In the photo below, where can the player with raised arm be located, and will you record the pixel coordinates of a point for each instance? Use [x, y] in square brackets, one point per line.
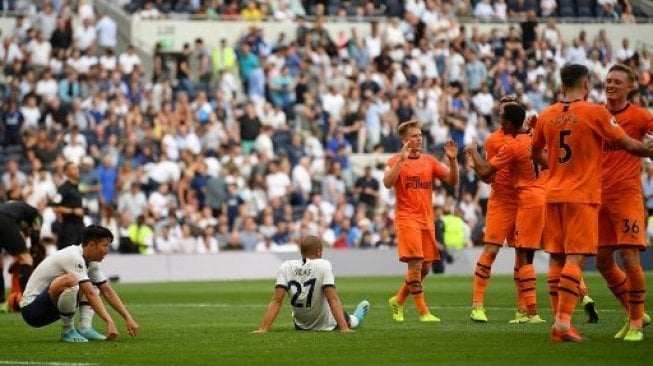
[499, 226]
[310, 283]
[573, 132]
[529, 221]
[412, 173]
[621, 217]
[53, 289]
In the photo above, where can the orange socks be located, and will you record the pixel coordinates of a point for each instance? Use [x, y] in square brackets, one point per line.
[414, 281]
[527, 282]
[568, 288]
[553, 279]
[618, 283]
[636, 295]
[403, 293]
[481, 277]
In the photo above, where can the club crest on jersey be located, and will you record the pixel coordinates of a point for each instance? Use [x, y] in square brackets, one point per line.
[613, 122]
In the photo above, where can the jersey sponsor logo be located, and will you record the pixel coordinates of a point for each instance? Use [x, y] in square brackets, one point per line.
[414, 182]
[612, 146]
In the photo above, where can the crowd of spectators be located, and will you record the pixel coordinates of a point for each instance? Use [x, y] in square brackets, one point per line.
[248, 145]
[362, 10]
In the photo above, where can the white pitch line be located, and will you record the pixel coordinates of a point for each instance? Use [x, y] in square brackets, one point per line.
[224, 305]
[38, 363]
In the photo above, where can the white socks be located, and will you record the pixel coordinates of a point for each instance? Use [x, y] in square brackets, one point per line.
[67, 303]
[353, 321]
[86, 312]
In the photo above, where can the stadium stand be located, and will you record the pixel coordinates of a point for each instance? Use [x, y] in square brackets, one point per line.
[192, 145]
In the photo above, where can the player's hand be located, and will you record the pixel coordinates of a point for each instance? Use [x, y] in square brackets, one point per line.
[649, 146]
[259, 331]
[112, 332]
[78, 211]
[405, 151]
[472, 146]
[132, 328]
[469, 159]
[348, 330]
[451, 149]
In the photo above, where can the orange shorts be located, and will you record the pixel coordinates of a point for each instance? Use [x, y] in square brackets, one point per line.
[529, 226]
[414, 242]
[500, 222]
[571, 228]
[622, 222]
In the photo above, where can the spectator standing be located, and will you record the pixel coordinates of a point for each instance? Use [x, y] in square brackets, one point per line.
[69, 208]
[107, 32]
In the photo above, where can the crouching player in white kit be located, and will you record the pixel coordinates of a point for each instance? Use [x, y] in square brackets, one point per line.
[311, 286]
[52, 290]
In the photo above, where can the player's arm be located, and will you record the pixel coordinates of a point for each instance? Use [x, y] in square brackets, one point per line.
[539, 156]
[86, 288]
[273, 309]
[451, 152]
[390, 176]
[116, 303]
[482, 167]
[64, 210]
[609, 129]
[636, 147]
[336, 308]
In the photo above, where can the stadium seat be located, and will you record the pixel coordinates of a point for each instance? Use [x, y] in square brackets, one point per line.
[13, 149]
[281, 141]
[532, 4]
[566, 8]
[585, 8]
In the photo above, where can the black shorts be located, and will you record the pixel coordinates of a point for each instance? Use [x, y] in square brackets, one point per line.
[41, 312]
[11, 239]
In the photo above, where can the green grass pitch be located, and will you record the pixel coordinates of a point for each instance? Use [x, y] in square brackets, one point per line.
[209, 323]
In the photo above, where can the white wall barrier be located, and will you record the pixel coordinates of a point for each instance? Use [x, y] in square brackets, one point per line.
[240, 265]
[146, 33]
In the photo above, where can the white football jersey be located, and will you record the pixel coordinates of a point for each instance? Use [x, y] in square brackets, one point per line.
[305, 280]
[67, 260]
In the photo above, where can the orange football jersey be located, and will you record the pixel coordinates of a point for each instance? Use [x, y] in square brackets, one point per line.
[414, 188]
[502, 187]
[516, 157]
[573, 133]
[621, 169]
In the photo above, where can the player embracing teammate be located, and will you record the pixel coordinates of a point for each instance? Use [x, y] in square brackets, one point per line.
[621, 217]
[573, 132]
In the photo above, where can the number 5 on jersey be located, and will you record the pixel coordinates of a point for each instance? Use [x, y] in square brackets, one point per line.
[565, 147]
